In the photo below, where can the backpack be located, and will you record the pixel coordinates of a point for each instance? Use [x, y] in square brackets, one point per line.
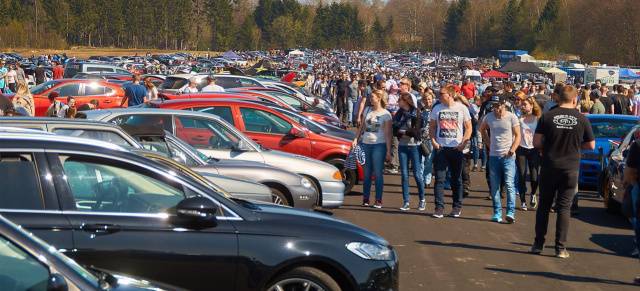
[54, 109]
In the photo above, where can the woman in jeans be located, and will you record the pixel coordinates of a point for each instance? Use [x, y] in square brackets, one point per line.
[427, 161]
[376, 143]
[526, 153]
[406, 127]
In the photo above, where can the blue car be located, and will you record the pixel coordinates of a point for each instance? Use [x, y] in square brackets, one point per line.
[605, 127]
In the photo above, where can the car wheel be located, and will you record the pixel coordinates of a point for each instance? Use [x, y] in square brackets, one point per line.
[610, 205]
[348, 175]
[277, 197]
[304, 278]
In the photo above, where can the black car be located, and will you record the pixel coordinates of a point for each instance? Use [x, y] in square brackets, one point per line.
[610, 183]
[28, 263]
[116, 210]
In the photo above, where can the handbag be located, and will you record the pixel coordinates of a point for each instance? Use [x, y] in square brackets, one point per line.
[424, 149]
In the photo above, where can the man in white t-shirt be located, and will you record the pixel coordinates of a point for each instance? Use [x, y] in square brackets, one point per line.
[450, 131]
[212, 87]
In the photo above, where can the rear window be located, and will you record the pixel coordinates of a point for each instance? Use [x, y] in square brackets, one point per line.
[173, 83]
[69, 72]
[21, 183]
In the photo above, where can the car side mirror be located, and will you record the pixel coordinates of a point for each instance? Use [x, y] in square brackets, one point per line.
[241, 146]
[294, 132]
[179, 159]
[625, 153]
[199, 209]
[57, 283]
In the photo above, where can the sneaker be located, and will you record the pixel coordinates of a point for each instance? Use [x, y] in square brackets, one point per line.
[365, 202]
[378, 204]
[497, 217]
[636, 280]
[575, 209]
[553, 209]
[635, 253]
[422, 205]
[438, 213]
[475, 168]
[455, 212]
[537, 248]
[534, 201]
[465, 194]
[511, 218]
[488, 198]
[523, 207]
[447, 187]
[391, 171]
[562, 253]
[483, 169]
[405, 207]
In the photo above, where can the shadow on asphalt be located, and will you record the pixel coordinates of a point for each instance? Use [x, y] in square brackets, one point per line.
[620, 251]
[597, 216]
[562, 277]
[468, 246]
[620, 244]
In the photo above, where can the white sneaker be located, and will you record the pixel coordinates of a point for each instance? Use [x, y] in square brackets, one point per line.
[405, 207]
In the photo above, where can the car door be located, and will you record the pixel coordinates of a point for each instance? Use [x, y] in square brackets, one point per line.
[28, 197]
[106, 95]
[273, 131]
[123, 217]
[213, 138]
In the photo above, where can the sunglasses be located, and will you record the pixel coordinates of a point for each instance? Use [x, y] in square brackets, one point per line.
[496, 105]
[401, 83]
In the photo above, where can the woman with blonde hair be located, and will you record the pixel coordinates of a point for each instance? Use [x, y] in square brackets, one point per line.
[526, 153]
[24, 98]
[407, 128]
[152, 91]
[376, 144]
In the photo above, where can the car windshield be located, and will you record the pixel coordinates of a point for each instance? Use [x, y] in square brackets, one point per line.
[173, 83]
[39, 89]
[610, 128]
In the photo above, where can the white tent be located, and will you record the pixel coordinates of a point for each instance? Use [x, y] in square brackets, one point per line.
[558, 75]
[296, 53]
[526, 58]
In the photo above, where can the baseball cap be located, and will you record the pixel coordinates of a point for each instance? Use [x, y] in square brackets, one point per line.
[498, 99]
[377, 77]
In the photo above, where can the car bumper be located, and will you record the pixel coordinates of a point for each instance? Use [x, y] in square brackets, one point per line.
[589, 171]
[332, 193]
[381, 275]
[303, 198]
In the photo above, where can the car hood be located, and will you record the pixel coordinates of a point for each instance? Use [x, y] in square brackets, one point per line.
[233, 185]
[297, 221]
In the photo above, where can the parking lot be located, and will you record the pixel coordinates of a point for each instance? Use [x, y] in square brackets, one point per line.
[471, 253]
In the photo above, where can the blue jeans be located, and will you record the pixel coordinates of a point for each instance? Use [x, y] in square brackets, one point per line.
[405, 154]
[499, 167]
[350, 106]
[451, 158]
[375, 155]
[427, 166]
[477, 153]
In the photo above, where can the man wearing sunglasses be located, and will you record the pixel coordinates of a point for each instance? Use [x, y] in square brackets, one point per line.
[504, 140]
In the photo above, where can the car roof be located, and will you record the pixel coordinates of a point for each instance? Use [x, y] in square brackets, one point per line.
[54, 120]
[36, 140]
[102, 113]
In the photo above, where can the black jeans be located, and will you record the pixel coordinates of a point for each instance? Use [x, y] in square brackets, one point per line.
[451, 158]
[466, 170]
[532, 157]
[561, 183]
[341, 108]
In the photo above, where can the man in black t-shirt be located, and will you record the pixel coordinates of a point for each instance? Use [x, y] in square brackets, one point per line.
[341, 97]
[40, 74]
[562, 133]
[621, 103]
[606, 100]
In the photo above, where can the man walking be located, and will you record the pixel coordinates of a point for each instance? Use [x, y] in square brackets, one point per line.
[505, 139]
[450, 131]
[561, 133]
[135, 94]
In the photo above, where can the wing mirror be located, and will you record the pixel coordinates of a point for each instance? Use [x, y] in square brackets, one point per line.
[197, 209]
[295, 132]
[241, 146]
[57, 283]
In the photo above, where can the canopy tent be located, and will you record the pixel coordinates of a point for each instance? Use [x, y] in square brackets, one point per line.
[526, 58]
[521, 67]
[556, 71]
[296, 53]
[231, 55]
[558, 74]
[494, 74]
[629, 74]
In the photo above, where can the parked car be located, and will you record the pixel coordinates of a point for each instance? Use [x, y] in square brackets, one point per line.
[273, 130]
[612, 190]
[85, 67]
[83, 90]
[119, 211]
[606, 127]
[215, 137]
[28, 263]
[177, 83]
[285, 188]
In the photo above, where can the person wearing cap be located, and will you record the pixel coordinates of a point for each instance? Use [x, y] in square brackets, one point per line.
[450, 131]
[212, 87]
[504, 141]
[597, 107]
[193, 86]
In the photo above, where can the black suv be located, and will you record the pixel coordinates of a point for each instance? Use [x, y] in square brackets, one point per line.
[112, 209]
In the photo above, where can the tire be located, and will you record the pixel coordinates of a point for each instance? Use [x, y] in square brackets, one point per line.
[610, 206]
[349, 177]
[302, 277]
[277, 197]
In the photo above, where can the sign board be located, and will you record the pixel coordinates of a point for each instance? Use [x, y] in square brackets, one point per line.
[608, 76]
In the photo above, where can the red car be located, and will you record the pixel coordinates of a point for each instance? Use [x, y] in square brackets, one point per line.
[272, 130]
[83, 90]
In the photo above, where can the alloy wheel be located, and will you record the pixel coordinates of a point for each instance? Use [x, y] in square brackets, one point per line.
[294, 284]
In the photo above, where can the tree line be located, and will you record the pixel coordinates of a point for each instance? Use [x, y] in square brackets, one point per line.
[595, 30]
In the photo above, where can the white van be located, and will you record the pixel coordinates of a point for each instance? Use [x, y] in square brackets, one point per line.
[474, 75]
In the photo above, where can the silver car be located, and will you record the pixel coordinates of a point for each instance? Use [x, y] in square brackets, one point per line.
[215, 137]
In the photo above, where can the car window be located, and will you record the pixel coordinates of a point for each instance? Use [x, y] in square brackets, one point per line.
[20, 182]
[100, 69]
[608, 128]
[202, 133]
[295, 103]
[39, 89]
[178, 152]
[626, 143]
[102, 135]
[163, 121]
[72, 89]
[107, 186]
[173, 83]
[223, 111]
[228, 82]
[20, 271]
[257, 120]
[249, 83]
[92, 89]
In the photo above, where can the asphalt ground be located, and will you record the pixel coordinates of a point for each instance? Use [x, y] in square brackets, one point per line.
[472, 253]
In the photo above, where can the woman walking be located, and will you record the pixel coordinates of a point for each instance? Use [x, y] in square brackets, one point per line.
[152, 91]
[526, 153]
[376, 143]
[24, 99]
[406, 127]
[427, 161]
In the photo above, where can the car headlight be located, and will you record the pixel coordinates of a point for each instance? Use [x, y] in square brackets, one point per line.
[305, 182]
[369, 251]
[589, 156]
